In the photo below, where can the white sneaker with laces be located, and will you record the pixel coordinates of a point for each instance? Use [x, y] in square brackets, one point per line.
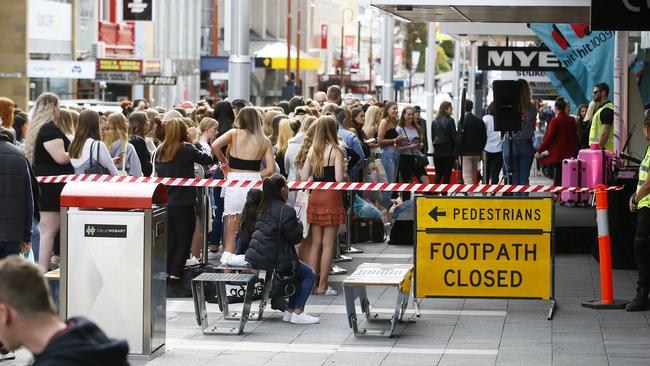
[286, 317]
[304, 318]
[225, 258]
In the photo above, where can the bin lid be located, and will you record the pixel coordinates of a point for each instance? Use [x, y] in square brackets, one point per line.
[113, 195]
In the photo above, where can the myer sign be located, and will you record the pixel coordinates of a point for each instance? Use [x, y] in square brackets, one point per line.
[517, 58]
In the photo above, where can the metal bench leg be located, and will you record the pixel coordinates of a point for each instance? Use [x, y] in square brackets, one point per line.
[350, 296]
[248, 301]
[266, 292]
[222, 297]
[200, 311]
[398, 309]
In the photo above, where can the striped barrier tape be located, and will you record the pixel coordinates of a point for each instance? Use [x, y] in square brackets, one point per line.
[341, 186]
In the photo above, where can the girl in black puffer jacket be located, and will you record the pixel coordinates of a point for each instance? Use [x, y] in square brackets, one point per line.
[271, 247]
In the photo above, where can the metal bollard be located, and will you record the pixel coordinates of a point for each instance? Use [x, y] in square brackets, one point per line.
[607, 300]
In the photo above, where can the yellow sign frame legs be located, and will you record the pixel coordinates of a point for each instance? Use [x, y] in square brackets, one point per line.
[484, 247]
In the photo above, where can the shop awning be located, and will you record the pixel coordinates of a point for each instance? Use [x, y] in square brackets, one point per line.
[274, 56]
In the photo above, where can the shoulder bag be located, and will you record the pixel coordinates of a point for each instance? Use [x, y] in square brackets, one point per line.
[97, 167]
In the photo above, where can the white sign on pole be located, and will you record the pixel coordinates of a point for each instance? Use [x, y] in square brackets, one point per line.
[50, 21]
[60, 69]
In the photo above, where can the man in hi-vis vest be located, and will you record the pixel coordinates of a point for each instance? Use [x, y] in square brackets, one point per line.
[602, 123]
[640, 202]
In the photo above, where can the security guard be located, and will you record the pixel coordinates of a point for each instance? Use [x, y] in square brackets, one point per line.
[601, 124]
[640, 202]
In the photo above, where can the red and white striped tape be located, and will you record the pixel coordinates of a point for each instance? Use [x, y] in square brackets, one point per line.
[341, 186]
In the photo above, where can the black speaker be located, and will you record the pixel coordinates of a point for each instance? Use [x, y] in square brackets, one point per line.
[507, 110]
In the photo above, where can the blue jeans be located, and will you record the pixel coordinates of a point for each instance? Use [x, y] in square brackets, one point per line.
[36, 239]
[306, 278]
[8, 248]
[522, 158]
[390, 160]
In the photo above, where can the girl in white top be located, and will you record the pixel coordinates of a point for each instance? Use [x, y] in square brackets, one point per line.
[87, 137]
[493, 154]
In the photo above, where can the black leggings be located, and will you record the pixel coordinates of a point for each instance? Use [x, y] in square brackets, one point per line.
[443, 165]
[493, 166]
[408, 167]
[180, 229]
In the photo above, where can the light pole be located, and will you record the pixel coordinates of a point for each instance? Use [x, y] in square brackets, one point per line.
[413, 65]
[370, 59]
[342, 41]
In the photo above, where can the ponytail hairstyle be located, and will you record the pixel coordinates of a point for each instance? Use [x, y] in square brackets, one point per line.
[271, 190]
[249, 213]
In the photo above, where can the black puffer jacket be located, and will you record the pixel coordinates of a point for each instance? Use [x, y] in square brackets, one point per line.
[272, 243]
[16, 199]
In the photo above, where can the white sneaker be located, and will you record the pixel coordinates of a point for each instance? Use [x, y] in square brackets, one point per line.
[304, 318]
[286, 317]
[237, 260]
[225, 258]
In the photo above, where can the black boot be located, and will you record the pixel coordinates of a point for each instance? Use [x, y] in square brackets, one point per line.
[640, 301]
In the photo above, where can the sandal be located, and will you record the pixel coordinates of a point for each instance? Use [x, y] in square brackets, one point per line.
[329, 292]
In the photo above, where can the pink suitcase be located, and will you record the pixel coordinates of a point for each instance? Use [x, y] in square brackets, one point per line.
[572, 172]
[598, 165]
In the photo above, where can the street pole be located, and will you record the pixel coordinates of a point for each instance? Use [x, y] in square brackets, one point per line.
[239, 62]
[370, 62]
[430, 77]
[342, 58]
[298, 31]
[289, 41]
[455, 68]
[387, 45]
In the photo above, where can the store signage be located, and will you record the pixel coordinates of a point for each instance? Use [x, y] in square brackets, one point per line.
[104, 231]
[157, 80]
[60, 69]
[137, 10]
[50, 21]
[517, 58]
[151, 67]
[631, 15]
[483, 247]
[530, 76]
[105, 64]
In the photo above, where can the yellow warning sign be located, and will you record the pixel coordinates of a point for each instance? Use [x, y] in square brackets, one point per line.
[484, 213]
[480, 265]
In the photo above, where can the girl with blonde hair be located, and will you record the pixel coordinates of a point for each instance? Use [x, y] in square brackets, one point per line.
[46, 147]
[324, 163]
[247, 147]
[284, 134]
[117, 141]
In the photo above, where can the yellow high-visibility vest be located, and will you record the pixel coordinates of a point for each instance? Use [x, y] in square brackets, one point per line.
[643, 176]
[597, 128]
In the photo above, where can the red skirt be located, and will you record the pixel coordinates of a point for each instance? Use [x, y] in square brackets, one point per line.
[325, 208]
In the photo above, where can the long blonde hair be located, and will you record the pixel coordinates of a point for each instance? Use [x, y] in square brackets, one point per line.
[65, 122]
[269, 116]
[324, 136]
[371, 121]
[306, 144]
[249, 119]
[117, 130]
[43, 113]
[284, 134]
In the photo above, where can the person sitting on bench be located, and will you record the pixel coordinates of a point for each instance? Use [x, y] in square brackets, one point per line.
[271, 247]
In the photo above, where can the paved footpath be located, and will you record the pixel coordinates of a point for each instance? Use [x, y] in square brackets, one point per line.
[449, 332]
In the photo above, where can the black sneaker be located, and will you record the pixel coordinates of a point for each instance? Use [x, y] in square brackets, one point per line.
[639, 303]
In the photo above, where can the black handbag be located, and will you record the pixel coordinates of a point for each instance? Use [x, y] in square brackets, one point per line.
[284, 282]
[97, 168]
